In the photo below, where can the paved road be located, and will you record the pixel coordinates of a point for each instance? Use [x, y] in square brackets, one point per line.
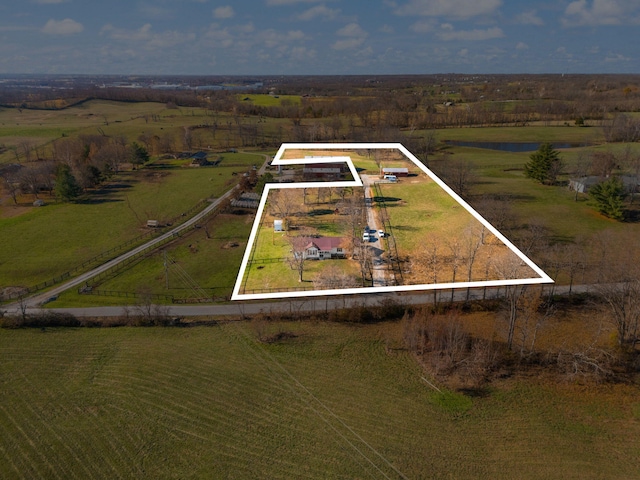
[312, 304]
[38, 299]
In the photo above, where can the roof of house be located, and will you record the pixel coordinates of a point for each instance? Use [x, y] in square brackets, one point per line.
[322, 243]
[199, 155]
[395, 170]
[627, 180]
[313, 166]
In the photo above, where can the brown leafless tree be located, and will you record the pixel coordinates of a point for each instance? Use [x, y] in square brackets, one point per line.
[296, 257]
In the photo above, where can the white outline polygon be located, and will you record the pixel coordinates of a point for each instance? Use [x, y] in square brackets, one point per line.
[357, 182]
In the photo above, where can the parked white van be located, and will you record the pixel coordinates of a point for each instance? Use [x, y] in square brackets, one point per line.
[391, 178]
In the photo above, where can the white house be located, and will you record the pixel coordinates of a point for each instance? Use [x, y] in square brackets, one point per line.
[583, 184]
[321, 248]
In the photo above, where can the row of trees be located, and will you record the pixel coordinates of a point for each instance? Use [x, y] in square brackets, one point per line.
[440, 338]
[74, 165]
[608, 195]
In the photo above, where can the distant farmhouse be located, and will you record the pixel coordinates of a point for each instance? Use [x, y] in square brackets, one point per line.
[321, 248]
[201, 159]
[583, 184]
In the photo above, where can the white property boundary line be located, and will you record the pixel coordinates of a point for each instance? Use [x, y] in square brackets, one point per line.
[357, 182]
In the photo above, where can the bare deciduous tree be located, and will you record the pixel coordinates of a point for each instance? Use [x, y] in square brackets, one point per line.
[296, 257]
[283, 202]
[455, 259]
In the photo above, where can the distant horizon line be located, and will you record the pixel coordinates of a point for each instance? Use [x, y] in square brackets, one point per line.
[281, 75]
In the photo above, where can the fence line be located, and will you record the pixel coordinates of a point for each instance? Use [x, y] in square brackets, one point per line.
[266, 260]
[391, 241]
[68, 274]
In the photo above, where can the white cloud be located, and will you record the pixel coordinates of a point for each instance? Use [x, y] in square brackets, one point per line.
[302, 53]
[62, 27]
[146, 37]
[247, 28]
[222, 37]
[347, 43]
[351, 30]
[386, 29]
[354, 37]
[602, 12]
[142, 33]
[318, 11]
[530, 18]
[224, 12]
[448, 8]
[50, 2]
[170, 38]
[522, 46]
[470, 35]
[616, 57]
[423, 26]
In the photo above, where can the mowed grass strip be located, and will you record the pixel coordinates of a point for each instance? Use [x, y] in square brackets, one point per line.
[211, 402]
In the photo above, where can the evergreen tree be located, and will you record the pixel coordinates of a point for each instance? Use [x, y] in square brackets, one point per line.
[264, 179]
[67, 187]
[608, 197]
[139, 154]
[544, 165]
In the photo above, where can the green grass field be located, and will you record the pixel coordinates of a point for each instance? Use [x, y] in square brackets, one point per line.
[47, 241]
[420, 209]
[211, 263]
[270, 100]
[212, 402]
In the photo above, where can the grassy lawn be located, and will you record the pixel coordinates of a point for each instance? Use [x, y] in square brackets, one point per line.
[280, 275]
[331, 402]
[45, 242]
[422, 208]
[308, 218]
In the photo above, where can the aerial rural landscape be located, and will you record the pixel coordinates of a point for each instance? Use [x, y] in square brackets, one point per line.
[233, 251]
[465, 360]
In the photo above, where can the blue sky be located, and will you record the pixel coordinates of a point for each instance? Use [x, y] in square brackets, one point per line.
[254, 37]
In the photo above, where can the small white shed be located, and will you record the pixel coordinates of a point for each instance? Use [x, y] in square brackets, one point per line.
[278, 226]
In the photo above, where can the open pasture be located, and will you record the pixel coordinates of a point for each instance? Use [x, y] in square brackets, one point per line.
[263, 100]
[328, 401]
[45, 242]
[208, 257]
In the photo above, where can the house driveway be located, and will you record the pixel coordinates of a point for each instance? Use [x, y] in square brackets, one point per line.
[380, 272]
